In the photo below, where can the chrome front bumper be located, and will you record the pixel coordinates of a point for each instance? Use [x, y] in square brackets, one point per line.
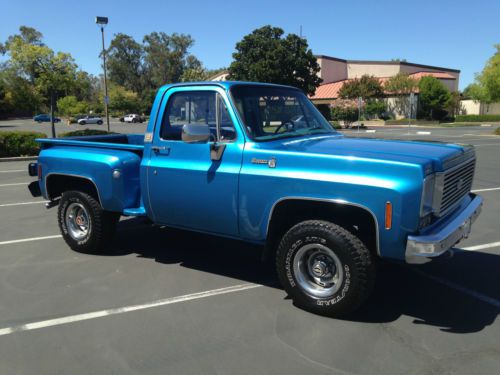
[421, 248]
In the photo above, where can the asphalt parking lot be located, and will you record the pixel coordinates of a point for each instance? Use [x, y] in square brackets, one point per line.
[163, 301]
[63, 127]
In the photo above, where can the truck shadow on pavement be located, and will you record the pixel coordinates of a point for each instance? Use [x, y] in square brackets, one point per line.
[417, 292]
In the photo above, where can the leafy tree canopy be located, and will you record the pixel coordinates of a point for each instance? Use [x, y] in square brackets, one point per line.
[364, 87]
[433, 96]
[125, 62]
[266, 55]
[486, 87]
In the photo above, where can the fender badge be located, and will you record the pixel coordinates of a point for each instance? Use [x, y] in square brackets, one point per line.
[271, 163]
[148, 137]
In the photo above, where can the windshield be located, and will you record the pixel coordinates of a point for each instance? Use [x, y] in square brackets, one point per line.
[273, 112]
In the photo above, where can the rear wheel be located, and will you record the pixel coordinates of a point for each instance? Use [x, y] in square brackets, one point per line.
[324, 268]
[84, 225]
[82, 122]
[99, 122]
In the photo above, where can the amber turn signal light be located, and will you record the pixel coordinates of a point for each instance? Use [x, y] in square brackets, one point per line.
[388, 215]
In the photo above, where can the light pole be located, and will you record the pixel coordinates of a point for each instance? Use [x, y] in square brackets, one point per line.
[103, 21]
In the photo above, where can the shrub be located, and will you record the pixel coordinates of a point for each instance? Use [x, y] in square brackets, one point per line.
[497, 131]
[19, 143]
[375, 108]
[346, 113]
[80, 133]
[476, 118]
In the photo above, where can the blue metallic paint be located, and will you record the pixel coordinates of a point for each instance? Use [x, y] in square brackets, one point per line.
[182, 187]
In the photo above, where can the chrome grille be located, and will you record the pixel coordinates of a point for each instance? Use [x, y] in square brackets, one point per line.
[452, 185]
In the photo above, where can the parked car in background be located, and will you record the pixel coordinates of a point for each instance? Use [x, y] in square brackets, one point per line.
[44, 118]
[90, 120]
[132, 118]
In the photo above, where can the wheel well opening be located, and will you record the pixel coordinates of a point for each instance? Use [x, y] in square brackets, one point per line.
[356, 220]
[58, 184]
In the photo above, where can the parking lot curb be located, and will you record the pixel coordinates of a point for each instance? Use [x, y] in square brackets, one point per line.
[19, 158]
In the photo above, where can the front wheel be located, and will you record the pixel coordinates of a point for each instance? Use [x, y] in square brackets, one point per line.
[84, 225]
[82, 122]
[99, 122]
[324, 268]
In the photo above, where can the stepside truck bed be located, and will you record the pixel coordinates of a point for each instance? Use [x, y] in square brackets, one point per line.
[131, 142]
[106, 166]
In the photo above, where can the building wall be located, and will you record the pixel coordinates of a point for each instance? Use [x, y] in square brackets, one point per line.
[332, 70]
[491, 109]
[356, 70]
[472, 107]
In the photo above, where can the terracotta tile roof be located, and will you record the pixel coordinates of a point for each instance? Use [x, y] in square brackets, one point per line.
[331, 90]
[440, 75]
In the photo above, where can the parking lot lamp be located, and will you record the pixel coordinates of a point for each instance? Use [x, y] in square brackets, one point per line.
[103, 21]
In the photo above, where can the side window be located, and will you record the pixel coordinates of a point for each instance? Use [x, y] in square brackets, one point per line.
[196, 107]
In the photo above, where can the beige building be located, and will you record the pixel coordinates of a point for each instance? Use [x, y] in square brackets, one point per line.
[472, 107]
[336, 72]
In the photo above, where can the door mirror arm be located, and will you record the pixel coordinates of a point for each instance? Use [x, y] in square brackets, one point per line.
[216, 151]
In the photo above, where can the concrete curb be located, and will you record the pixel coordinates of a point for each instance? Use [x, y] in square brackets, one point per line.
[19, 158]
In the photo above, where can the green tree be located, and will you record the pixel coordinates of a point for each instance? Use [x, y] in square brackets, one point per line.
[401, 86]
[125, 62]
[454, 104]
[48, 73]
[69, 105]
[266, 55]
[123, 100]
[434, 97]
[486, 87]
[166, 57]
[365, 87]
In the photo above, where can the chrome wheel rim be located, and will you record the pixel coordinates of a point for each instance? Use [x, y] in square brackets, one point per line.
[77, 221]
[318, 270]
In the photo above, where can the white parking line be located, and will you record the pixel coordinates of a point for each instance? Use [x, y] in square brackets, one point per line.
[481, 247]
[14, 170]
[16, 184]
[30, 239]
[125, 309]
[481, 190]
[472, 293]
[21, 203]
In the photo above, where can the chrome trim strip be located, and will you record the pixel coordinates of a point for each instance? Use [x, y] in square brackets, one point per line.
[71, 175]
[337, 201]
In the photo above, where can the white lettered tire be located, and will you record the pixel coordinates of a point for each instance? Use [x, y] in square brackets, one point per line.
[324, 268]
[84, 225]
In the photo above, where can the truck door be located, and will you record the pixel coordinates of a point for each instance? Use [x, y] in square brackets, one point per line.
[186, 188]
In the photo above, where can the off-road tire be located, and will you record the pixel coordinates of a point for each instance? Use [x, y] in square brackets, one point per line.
[357, 266]
[102, 224]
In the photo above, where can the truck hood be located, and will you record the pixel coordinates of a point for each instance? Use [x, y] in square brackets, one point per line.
[427, 154]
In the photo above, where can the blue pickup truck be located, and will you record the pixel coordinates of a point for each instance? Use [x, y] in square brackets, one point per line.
[259, 163]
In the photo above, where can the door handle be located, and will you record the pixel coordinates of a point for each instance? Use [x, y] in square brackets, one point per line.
[162, 149]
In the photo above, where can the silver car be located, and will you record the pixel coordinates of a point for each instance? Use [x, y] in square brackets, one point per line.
[90, 120]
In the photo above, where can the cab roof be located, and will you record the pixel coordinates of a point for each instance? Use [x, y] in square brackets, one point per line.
[224, 84]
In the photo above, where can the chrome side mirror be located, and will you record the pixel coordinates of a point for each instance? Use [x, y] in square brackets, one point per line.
[195, 133]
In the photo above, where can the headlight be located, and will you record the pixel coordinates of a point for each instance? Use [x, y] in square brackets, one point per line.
[427, 195]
